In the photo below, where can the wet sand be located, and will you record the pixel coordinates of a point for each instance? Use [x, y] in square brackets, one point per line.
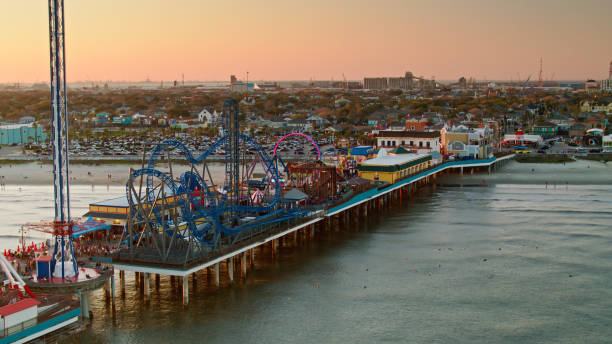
[35, 173]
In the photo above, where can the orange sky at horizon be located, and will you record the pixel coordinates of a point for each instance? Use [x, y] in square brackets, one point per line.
[290, 40]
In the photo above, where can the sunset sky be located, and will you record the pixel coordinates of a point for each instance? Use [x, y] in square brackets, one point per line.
[319, 39]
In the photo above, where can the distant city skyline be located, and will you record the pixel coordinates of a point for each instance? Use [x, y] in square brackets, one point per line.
[319, 40]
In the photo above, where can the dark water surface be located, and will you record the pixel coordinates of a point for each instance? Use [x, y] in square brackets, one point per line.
[508, 261]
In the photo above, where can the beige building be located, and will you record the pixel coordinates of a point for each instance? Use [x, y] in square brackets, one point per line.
[475, 143]
[595, 106]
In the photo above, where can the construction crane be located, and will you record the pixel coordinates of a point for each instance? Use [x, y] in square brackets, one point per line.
[526, 82]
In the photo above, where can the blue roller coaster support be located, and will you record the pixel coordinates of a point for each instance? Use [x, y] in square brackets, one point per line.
[231, 125]
[215, 204]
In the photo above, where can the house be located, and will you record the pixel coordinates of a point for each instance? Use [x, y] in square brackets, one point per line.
[577, 129]
[343, 143]
[27, 119]
[341, 102]
[361, 153]
[315, 121]
[377, 119]
[205, 116]
[122, 119]
[606, 142]
[138, 118]
[419, 141]
[248, 101]
[596, 120]
[468, 142]
[102, 117]
[545, 129]
[418, 125]
[299, 125]
[331, 130]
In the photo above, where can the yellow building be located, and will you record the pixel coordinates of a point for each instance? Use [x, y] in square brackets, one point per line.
[112, 212]
[390, 168]
[115, 211]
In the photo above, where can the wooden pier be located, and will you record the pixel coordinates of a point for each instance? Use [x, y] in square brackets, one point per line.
[320, 220]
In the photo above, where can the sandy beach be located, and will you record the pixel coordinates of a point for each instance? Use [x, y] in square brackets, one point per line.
[37, 173]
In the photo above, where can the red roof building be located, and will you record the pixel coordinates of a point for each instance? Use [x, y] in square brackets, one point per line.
[18, 306]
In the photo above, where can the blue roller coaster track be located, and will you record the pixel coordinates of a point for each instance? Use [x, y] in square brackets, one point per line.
[203, 212]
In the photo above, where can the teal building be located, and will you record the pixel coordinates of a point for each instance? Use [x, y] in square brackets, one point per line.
[20, 134]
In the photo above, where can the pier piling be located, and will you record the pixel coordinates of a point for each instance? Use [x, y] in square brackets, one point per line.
[217, 274]
[230, 269]
[112, 285]
[243, 264]
[185, 290]
[147, 290]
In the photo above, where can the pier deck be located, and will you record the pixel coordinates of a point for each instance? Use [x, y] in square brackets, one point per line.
[320, 215]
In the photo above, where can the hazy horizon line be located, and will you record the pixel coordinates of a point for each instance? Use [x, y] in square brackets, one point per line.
[276, 80]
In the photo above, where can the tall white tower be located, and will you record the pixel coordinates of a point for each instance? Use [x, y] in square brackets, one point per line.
[610, 74]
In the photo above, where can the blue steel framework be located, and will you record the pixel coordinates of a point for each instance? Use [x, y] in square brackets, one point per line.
[62, 226]
[178, 221]
[231, 127]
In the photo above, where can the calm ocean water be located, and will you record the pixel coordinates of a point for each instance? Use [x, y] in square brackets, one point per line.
[479, 259]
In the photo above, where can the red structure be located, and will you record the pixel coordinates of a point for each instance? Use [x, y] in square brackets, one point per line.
[315, 179]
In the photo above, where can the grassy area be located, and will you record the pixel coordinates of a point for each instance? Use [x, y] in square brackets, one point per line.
[543, 158]
[607, 157]
[16, 162]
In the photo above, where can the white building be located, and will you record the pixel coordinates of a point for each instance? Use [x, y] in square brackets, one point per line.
[607, 143]
[419, 141]
[206, 117]
[606, 85]
[21, 312]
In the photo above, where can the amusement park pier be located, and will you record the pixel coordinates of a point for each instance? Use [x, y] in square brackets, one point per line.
[231, 227]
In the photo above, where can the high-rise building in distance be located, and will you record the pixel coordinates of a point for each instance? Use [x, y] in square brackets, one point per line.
[606, 85]
[375, 83]
[395, 83]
